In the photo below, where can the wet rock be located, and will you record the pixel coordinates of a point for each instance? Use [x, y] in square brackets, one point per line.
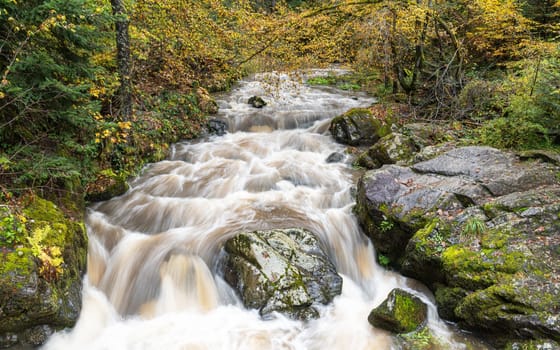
[425, 339]
[35, 299]
[421, 339]
[256, 101]
[394, 202]
[281, 270]
[358, 127]
[217, 127]
[335, 157]
[479, 227]
[400, 312]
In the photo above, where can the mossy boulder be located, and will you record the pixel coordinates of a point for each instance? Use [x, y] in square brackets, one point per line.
[406, 146]
[41, 278]
[424, 338]
[425, 134]
[433, 151]
[358, 127]
[282, 271]
[400, 312]
[481, 228]
[394, 202]
[420, 339]
[394, 148]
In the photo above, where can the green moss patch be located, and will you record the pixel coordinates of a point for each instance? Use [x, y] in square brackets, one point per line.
[14, 263]
[401, 312]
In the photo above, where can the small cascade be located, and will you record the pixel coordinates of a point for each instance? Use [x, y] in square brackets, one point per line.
[186, 285]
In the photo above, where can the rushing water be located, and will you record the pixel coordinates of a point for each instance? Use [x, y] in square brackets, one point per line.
[151, 281]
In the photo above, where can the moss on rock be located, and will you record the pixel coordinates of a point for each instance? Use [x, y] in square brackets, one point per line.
[498, 277]
[423, 257]
[36, 300]
[447, 299]
[400, 312]
[358, 127]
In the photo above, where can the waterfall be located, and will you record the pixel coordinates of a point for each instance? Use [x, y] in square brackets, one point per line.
[151, 281]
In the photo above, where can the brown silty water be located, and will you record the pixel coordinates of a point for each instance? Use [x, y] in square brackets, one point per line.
[152, 282]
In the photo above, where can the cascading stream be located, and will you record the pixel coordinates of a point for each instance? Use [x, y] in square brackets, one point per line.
[152, 282]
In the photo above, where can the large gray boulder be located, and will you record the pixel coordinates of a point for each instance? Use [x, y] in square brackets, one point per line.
[282, 270]
[479, 227]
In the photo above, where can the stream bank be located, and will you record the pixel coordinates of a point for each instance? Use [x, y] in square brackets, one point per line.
[479, 226]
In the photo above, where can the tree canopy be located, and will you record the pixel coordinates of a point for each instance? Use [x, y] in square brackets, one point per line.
[62, 78]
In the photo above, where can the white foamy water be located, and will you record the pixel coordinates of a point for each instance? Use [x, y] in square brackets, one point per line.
[152, 279]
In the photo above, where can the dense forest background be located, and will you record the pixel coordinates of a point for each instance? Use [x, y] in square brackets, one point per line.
[90, 90]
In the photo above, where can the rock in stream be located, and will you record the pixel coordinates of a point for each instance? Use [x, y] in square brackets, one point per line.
[401, 312]
[281, 270]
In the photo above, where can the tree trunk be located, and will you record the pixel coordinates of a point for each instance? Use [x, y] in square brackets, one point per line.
[123, 59]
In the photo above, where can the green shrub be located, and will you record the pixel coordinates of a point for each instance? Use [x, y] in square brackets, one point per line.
[383, 260]
[481, 100]
[514, 133]
[12, 227]
[531, 117]
[327, 80]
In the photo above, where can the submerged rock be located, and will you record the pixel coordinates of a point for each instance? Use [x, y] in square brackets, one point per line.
[358, 127]
[38, 293]
[400, 312]
[281, 270]
[482, 229]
